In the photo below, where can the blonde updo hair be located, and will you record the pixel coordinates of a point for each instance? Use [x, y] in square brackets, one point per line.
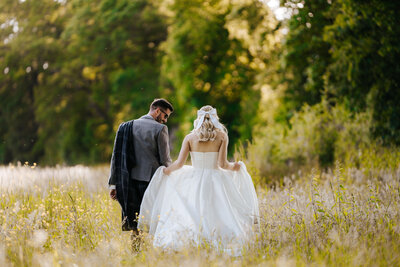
[207, 131]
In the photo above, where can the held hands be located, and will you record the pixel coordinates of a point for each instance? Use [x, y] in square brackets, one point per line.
[166, 171]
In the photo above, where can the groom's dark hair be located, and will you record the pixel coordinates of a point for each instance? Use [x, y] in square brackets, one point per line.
[161, 103]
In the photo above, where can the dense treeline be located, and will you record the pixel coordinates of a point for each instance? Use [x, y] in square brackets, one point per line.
[347, 52]
[71, 71]
[336, 90]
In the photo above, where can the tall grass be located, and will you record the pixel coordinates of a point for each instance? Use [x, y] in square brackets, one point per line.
[64, 217]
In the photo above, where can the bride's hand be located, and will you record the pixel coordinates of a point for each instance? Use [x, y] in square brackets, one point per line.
[236, 166]
[166, 171]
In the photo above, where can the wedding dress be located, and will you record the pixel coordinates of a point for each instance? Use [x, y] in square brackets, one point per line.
[200, 204]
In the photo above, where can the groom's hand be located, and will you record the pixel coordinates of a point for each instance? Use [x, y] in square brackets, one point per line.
[113, 194]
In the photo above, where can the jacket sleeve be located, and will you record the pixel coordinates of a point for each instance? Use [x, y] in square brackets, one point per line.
[163, 147]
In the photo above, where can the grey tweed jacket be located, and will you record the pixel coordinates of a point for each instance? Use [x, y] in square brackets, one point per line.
[151, 148]
[151, 144]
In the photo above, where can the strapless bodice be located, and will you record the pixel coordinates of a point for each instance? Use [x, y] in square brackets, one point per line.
[204, 160]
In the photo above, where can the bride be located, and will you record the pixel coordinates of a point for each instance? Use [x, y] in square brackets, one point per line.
[213, 201]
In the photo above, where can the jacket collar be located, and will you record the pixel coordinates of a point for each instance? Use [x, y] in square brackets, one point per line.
[147, 117]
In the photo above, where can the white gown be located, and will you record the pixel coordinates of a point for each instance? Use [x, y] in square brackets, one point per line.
[200, 203]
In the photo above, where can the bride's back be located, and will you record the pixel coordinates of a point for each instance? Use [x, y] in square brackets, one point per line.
[196, 145]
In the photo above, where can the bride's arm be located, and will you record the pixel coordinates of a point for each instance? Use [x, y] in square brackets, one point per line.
[183, 154]
[222, 156]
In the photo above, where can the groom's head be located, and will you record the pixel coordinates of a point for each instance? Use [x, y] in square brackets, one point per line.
[160, 110]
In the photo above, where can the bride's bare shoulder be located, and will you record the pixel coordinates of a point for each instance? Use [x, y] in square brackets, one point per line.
[191, 137]
[222, 135]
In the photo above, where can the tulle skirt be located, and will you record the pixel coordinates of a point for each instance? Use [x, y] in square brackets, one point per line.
[194, 206]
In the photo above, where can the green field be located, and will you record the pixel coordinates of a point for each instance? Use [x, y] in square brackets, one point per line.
[63, 216]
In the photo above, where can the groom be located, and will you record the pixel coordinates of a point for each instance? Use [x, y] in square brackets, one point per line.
[140, 147]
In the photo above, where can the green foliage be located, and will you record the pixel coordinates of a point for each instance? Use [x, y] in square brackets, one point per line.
[316, 136]
[207, 62]
[94, 64]
[72, 71]
[366, 51]
[28, 46]
[347, 51]
[91, 66]
[305, 54]
[335, 94]
[119, 72]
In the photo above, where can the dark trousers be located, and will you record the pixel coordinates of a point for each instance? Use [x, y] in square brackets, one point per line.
[136, 192]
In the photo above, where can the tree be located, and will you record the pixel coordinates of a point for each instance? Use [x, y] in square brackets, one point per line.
[365, 72]
[212, 56]
[108, 74]
[73, 71]
[305, 54]
[28, 35]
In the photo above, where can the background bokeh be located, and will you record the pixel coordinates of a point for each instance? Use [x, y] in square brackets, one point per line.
[297, 83]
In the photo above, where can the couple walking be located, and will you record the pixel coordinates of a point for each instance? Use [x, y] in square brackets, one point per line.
[212, 201]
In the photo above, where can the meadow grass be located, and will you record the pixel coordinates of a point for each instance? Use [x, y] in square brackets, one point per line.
[63, 216]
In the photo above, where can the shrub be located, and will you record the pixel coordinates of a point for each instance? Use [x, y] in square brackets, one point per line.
[316, 136]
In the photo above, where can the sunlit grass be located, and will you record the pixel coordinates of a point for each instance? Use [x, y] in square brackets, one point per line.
[64, 217]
